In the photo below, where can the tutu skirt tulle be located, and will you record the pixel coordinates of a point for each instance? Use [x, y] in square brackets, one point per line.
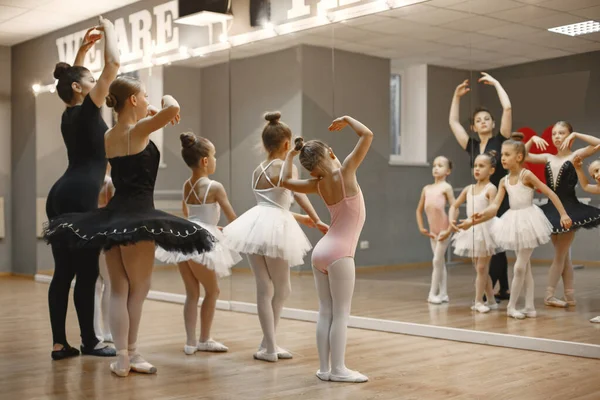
[477, 241]
[220, 259]
[525, 228]
[268, 231]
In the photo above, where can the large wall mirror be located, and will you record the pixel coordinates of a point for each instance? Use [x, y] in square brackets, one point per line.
[395, 65]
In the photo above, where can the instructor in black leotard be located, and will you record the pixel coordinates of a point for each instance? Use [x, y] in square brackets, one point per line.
[77, 190]
[483, 125]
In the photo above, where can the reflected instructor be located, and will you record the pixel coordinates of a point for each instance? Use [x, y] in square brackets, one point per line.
[77, 190]
[483, 124]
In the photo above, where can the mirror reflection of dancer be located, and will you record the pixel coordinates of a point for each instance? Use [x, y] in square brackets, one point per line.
[77, 190]
[562, 179]
[269, 233]
[524, 226]
[483, 124]
[203, 200]
[102, 303]
[594, 171]
[333, 257]
[477, 242]
[129, 228]
[433, 200]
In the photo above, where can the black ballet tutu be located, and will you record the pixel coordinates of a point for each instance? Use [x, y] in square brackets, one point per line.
[130, 216]
[582, 215]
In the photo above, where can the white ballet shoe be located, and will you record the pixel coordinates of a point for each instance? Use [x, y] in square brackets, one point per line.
[480, 307]
[555, 302]
[282, 353]
[595, 320]
[139, 365]
[515, 314]
[434, 299]
[529, 312]
[444, 298]
[264, 356]
[212, 346]
[324, 376]
[190, 350]
[492, 306]
[348, 376]
[114, 368]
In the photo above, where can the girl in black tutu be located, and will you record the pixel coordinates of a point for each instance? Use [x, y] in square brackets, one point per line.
[561, 177]
[129, 228]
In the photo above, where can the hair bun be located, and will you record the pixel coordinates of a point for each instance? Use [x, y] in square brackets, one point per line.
[111, 100]
[188, 139]
[517, 136]
[298, 143]
[273, 117]
[492, 153]
[60, 69]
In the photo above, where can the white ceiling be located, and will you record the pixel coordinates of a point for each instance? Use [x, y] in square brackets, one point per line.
[21, 20]
[466, 34]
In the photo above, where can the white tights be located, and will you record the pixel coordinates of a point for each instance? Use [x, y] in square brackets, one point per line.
[335, 291]
[561, 265]
[102, 301]
[273, 287]
[483, 281]
[439, 276]
[522, 276]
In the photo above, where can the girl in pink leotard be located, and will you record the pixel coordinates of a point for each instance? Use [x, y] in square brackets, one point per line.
[433, 200]
[333, 256]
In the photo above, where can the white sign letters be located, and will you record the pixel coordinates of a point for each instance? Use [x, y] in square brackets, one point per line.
[300, 9]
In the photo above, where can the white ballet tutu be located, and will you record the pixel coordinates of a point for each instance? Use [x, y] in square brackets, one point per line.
[526, 228]
[268, 231]
[220, 259]
[477, 241]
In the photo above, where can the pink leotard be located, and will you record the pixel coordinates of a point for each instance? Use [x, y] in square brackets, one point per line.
[347, 220]
[435, 209]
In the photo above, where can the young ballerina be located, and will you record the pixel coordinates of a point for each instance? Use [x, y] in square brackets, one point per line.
[203, 200]
[477, 242]
[269, 233]
[433, 200]
[483, 125]
[594, 171]
[524, 226]
[102, 303]
[561, 177]
[333, 257]
[129, 228]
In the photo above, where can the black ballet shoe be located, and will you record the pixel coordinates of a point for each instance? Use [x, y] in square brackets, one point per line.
[66, 352]
[103, 352]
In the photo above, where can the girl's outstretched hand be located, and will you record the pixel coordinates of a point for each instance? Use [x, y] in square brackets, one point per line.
[540, 143]
[462, 89]
[425, 232]
[338, 124]
[465, 224]
[323, 227]
[578, 162]
[565, 221]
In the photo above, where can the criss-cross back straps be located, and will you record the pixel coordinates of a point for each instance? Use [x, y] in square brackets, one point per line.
[193, 190]
[264, 172]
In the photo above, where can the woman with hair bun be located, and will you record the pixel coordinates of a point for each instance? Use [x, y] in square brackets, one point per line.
[333, 257]
[78, 189]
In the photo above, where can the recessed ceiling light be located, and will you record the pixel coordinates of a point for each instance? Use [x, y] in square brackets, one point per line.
[578, 29]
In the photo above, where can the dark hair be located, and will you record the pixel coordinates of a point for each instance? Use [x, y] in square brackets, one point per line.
[450, 164]
[566, 125]
[312, 153]
[516, 140]
[492, 155]
[66, 76]
[120, 90]
[275, 132]
[194, 148]
[479, 110]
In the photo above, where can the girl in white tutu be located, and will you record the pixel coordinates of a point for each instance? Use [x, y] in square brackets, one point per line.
[594, 170]
[477, 242]
[203, 200]
[524, 226]
[433, 201]
[269, 233]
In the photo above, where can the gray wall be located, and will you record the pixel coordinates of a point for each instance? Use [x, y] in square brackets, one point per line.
[5, 159]
[543, 92]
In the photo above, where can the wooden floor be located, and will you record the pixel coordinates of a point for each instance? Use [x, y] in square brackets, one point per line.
[399, 295]
[399, 367]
